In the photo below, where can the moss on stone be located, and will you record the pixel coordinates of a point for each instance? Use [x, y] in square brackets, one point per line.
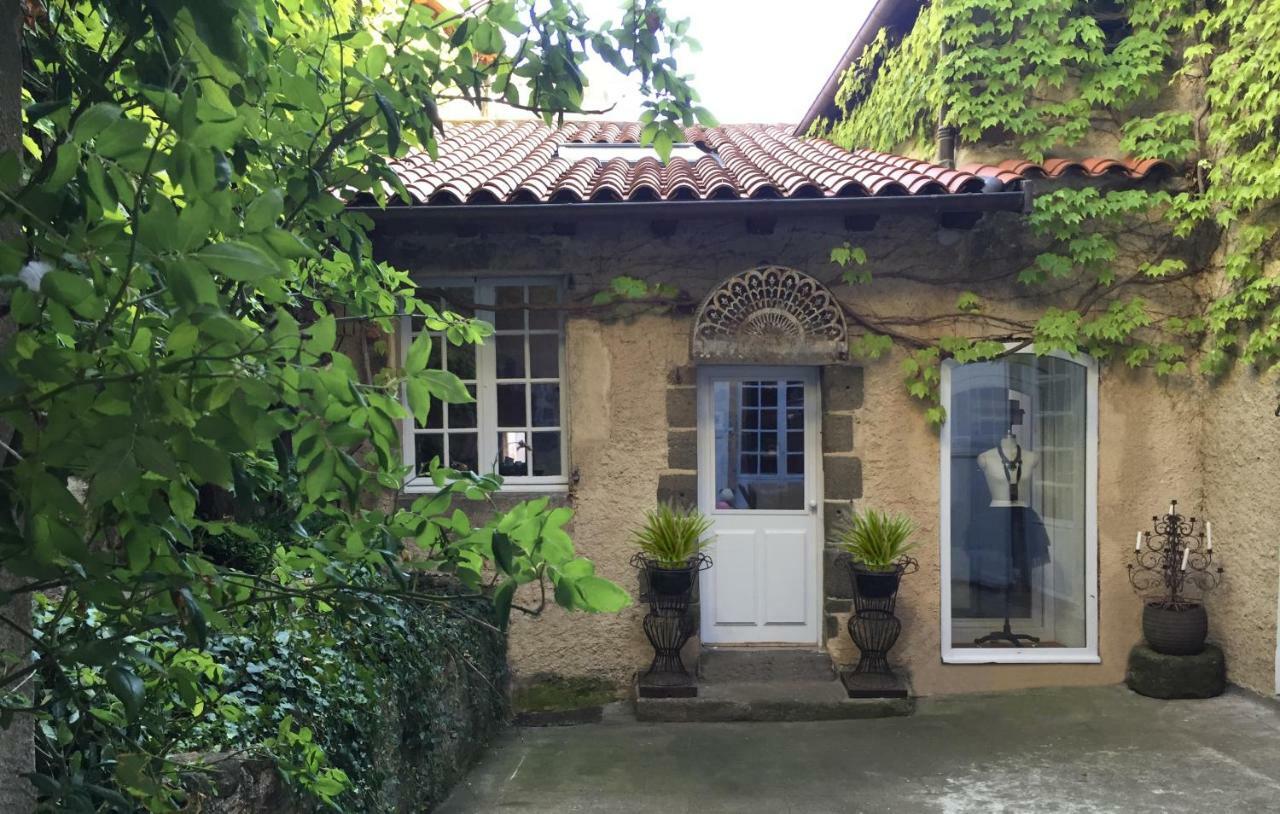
[555, 693]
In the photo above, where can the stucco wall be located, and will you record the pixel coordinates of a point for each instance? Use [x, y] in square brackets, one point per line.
[616, 388]
[618, 379]
[1241, 464]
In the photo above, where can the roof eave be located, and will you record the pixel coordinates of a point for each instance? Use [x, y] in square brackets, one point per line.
[1014, 201]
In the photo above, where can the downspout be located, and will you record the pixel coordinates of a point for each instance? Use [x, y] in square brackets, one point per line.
[946, 138]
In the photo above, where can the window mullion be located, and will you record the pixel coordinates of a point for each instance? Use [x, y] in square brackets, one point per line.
[486, 387]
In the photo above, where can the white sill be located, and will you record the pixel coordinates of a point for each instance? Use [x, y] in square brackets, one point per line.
[426, 487]
[1021, 655]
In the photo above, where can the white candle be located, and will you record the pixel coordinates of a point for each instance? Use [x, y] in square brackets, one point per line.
[1137, 546]
[1171, 505]
[1208, 535]
[1186, 552]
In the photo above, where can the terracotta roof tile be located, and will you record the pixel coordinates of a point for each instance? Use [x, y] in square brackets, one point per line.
[1015, 169]
[519, 162]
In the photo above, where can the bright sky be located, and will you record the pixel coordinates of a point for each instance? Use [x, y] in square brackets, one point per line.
[761, 60]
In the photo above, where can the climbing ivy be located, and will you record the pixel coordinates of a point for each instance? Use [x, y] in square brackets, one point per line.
[1186, 82]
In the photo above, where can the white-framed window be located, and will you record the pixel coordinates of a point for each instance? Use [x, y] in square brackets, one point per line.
[1019, 545]
[516, 426]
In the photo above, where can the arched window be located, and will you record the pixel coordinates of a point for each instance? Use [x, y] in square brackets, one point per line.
[1019, 510]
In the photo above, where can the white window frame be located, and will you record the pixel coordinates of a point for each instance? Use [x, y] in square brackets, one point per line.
[1026, 655]
[486, 390]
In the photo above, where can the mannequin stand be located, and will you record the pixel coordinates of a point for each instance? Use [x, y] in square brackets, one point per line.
[1006, 634]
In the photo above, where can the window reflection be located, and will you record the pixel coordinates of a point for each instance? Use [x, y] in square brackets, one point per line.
[1017, 503]
[759, 444]
[513, 453]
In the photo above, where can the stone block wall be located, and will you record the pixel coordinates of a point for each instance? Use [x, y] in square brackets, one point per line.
[842, 397]
[679, 483]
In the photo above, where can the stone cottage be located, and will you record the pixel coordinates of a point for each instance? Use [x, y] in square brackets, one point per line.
[727, 381]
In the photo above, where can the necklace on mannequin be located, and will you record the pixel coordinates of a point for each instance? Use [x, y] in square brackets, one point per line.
[1012, 468]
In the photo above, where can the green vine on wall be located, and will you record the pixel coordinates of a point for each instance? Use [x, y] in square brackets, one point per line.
[1171, 278]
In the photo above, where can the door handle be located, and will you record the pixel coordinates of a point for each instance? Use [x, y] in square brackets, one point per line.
[813, 505]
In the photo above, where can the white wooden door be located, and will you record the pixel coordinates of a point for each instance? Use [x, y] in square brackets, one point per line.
[759, 466]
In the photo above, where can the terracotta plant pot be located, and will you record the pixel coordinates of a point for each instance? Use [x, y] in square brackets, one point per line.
[1178, 630]
[875, 584]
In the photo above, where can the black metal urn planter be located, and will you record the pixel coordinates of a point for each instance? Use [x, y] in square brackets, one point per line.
[873, 625]
[670, 556]
[877, 543]
[1173, 568]
[668, 624]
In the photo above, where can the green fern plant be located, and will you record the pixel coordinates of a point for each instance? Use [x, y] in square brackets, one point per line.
[670, 536]
[877, 540]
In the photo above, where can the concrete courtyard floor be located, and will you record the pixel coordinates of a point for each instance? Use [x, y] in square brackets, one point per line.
[1063, 750]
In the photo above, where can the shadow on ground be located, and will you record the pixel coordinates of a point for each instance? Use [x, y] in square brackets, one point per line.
[1062, 750]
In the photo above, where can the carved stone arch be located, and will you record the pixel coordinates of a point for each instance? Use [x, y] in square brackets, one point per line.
[770, 315]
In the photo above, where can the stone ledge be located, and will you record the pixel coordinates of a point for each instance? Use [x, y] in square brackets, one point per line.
[666, 686]
[1157, 675]
[753, 664]
[559, 717]
[876, 685]
[770, 702]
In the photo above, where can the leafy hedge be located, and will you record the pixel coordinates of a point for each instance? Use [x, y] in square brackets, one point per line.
[399, 694]
[359, 701]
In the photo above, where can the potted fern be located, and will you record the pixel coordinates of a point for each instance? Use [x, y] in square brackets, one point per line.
[878, 543]
[671, 540]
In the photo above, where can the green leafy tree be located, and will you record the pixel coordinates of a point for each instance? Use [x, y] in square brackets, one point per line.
[198, 323]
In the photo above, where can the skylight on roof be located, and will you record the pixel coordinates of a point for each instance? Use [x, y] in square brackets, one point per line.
[629, 152]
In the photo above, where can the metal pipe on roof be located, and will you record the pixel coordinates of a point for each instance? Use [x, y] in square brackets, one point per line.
[946, 133]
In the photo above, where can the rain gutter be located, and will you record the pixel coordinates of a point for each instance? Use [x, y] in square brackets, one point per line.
[1014, 201]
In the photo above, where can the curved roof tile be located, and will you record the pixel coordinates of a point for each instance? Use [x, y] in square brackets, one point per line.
[496, 162]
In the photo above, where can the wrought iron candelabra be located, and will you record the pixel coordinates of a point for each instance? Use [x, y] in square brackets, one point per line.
[1178, 554]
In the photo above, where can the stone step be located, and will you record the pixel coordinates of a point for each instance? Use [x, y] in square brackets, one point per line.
[719, 664]
[770, 701]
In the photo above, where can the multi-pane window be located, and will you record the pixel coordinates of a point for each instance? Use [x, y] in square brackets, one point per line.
[515, 426]
[759, 443]
[772, 421]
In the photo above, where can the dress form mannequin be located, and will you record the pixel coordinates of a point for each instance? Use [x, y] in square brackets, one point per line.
[1007, 468]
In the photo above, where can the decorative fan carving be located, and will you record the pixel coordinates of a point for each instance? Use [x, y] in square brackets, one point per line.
[770, 314]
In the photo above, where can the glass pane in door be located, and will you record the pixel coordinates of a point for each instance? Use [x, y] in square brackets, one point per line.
[759, 444]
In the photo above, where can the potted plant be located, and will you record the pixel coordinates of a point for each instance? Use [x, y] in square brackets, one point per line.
[671, 540]
[878, 543]
[1167, 564]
